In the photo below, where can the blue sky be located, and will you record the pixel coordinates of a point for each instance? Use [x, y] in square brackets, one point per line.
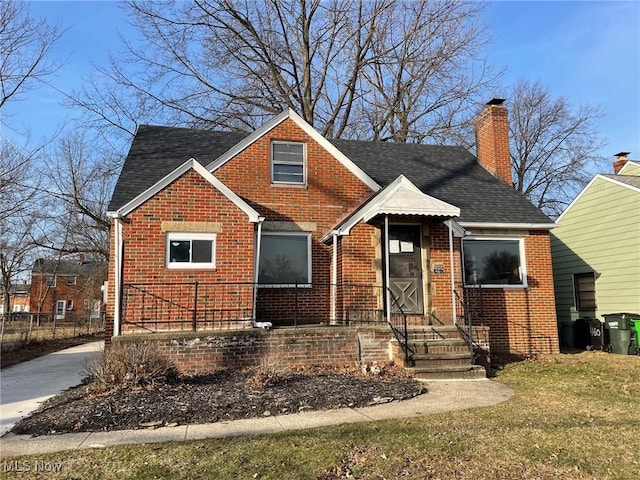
[587, 51]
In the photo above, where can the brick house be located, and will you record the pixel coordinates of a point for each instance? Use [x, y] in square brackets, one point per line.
[67, 288]
[218, 230]
[18, 298]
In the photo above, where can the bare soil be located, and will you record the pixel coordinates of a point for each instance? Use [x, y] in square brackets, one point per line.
[221, 396]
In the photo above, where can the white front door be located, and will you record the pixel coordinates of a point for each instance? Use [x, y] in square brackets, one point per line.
[61, 308]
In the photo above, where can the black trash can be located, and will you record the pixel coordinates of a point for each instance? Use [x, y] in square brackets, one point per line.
[619, 328]
[596, 334]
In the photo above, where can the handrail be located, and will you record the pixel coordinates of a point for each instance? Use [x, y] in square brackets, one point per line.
[463, 305]
[402, 335]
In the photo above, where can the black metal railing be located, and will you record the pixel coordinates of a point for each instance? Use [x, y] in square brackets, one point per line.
[155, 307]
[198, 305]
[398, 324]
[469, 306]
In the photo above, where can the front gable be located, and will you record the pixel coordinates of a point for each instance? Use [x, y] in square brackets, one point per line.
[333, 186]
[293, 118]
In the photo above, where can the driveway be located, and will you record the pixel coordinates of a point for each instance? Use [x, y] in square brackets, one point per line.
[25, 386]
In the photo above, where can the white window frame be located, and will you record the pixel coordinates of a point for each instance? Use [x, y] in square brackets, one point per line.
[51, 284]
[274, 162]
[188, 236]
[70, 280]
[309, 261]
[523, 263]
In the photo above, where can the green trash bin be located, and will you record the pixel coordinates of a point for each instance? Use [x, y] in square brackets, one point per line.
[635, 329]
[618, 325]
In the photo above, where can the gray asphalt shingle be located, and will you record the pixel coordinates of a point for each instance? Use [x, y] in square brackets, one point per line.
[448, 173]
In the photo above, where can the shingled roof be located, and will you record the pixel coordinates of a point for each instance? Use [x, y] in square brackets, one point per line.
[46, 266]
[448, 173]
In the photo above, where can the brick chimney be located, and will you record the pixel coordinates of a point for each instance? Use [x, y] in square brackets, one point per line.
[620, 162]
[492, 140]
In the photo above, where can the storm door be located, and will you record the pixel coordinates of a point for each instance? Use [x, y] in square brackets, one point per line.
[405, 267]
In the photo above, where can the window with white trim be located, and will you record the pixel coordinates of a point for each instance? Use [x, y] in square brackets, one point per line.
[495, 262]
[288, 163]
[285, 258]
[191, 250]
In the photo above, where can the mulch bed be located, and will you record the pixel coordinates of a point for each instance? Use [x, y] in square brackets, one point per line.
[225, 395]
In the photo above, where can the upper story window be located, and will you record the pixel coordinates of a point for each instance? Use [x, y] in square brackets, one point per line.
[288, 163]
[70, 280]
[191, 250]
[51, 280]
[494, 262]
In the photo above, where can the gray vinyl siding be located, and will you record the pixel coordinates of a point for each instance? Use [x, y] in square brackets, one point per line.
[600, 233]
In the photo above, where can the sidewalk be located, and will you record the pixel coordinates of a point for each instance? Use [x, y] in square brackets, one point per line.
[23, 387]
[442, 396]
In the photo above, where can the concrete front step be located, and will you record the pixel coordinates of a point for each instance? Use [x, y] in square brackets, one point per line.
[432, 332]
[446, 359]
[439, 346]
[448, 373]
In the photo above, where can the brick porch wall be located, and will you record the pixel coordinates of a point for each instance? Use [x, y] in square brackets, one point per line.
[206, 351]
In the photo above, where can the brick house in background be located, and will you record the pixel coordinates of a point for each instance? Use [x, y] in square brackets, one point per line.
[67, 288]
[284, 226]
[18, 298]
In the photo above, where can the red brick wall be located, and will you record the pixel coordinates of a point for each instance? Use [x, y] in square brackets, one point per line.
[190, 198]
[440, 283]
[200, 352]
[522, 321]
[331, 193]
[46, 297]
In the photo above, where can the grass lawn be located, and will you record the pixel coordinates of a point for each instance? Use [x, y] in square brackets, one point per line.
[574, 416]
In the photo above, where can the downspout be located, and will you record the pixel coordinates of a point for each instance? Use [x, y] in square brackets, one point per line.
[334, 279]
[117, 287]
[386, 267]
[454, 313]
[256, 271]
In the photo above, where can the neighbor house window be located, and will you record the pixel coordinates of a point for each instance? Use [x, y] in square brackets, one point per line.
[191, 250]
[285, 258]
[288, 163]
[585, 288]
[493, 261]
[51, 280]
[70, 280]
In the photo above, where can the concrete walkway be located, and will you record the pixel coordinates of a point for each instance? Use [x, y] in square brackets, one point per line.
[23, 387]
[442, 396]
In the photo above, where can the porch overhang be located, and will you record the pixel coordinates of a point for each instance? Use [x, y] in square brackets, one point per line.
[401, 197]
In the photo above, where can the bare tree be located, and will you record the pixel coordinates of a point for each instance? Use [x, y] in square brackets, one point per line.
[25, 43]
[80, 184]
[386, 69]
[16, 247]
[426, 73]
[553, 144]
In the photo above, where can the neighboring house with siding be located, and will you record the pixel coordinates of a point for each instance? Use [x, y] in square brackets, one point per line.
[596, 247]
[281, 225]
